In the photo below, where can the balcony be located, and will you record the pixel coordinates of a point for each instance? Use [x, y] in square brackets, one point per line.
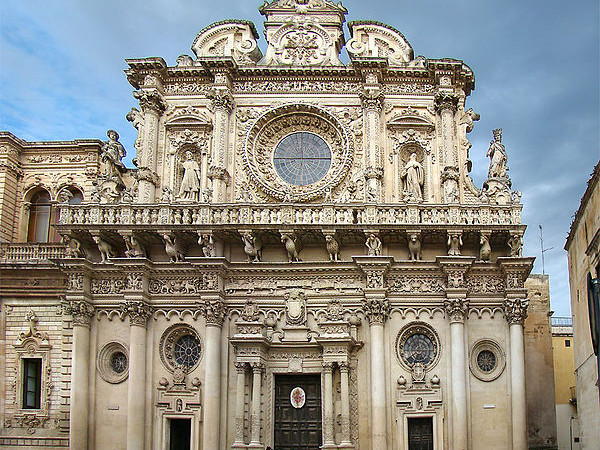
[31, 252]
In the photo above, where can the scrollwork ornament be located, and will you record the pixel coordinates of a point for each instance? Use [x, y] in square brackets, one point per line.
[456, 309]
[75, 282]
[376, 310]
[135, 282]
[515, 310]
[138, 312]
[81, 311]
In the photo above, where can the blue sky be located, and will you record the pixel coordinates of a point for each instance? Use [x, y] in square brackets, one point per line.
[536, 65]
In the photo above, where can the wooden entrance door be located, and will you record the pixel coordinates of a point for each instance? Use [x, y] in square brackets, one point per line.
[420, 433]
[297, 427]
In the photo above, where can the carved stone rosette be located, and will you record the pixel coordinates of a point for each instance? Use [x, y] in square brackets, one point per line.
[139, 312]
[81, 311]
[515, 310]
[457, 309]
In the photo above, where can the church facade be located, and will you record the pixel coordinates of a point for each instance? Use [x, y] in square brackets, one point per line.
[299, 259]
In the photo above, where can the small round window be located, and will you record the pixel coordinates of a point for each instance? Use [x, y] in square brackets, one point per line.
[302, 158]
[487, 360]
[118, 362]
[113, 363]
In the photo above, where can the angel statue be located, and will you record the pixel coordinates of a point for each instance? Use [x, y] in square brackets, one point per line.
[190, 183]
[498, 157]
[412, 175]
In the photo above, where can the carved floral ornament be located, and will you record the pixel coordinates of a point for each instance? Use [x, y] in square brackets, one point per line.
[274, 125]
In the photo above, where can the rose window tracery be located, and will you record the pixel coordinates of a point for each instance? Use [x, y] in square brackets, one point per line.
[487, 360]
[302, 158]
[180, 348]
[417, 343]
[187, 350]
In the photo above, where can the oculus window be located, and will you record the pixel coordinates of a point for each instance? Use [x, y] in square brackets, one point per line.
[302, 158]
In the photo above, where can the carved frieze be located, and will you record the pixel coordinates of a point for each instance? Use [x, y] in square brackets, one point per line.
[183, 285]
[410, 284]
[106, 286]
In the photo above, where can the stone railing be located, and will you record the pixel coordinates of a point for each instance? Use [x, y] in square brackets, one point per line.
[31, 252]
[79, 216]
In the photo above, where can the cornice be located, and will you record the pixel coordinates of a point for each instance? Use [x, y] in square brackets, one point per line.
[53, 146]
[591, 186]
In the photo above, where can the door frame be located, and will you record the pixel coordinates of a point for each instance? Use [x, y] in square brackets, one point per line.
[437, 428]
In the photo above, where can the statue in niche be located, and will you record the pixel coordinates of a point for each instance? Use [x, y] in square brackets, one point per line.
[190, 183]
[373, 244]
[498, 157]
[112, 153]
[412, 177]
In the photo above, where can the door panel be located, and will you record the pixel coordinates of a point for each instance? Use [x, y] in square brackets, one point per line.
[297, 428]
[420, 433]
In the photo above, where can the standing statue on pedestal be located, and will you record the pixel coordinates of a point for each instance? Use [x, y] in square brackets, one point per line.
[412, 177]
[111, 154]
[190, 183]
[498, 157]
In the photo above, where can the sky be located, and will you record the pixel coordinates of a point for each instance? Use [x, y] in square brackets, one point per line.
[536, 65]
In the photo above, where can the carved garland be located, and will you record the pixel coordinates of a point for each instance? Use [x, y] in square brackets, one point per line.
[277, 123]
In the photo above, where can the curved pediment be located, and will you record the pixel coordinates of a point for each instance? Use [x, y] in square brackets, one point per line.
[230, 38]
[410, 118]
[378, 40]
[188, 117]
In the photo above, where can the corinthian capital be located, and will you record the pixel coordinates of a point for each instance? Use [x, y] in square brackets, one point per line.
[81, 311]
[372, 100]
[515, 310]
[457, 309]
[138, 312]
[150, 100]
[446, 101]
[221, 100]
[376, 310]
[214, 312]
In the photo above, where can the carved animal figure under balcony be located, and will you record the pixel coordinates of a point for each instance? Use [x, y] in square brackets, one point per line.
[74, 249]
[106, 250]
[485, 252]
[291, 246]
[207, 245]
[454, 244]
[173, 249]
[134, 248]
[414, 248]
[373, 244]
[333, 248]
[252, 247]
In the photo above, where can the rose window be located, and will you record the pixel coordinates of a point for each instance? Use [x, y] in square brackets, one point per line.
[418, 343]
[302, 158]
[187, 351]
[486, 361]
[418, 348]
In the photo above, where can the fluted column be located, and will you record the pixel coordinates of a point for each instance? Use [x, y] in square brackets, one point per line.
[456, 309]
[328, 439]
[138, 313]
[372, 101]
[215, 313]
[222, 105]
[345, 395]
[152, 106]
[257, 370]
[239, 405]
[82, 313]
[516, 312]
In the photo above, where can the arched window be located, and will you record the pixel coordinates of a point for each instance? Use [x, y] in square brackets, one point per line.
[39, 217]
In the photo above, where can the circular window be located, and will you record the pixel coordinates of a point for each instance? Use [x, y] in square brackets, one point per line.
[113, 363]
[180, 348]
[417, 343]
[302, 158]
[187, 350]
[487, 360]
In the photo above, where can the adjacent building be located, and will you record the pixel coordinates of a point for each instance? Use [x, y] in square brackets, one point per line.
[583, 247]
[299, 259]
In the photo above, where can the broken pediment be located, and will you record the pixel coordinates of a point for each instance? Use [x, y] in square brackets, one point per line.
[377, 40]
[230, 38]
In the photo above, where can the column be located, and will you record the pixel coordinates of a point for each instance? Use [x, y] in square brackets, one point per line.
[152, 105]
[345, 394]
[239, 405]
[328, 439]
[257, 369]
[372, 101]
[456, 309]
[214, 311]
[516, 312]
[446, 103]
[222, 104]
[377, 311]
[139, 312]
[82, 313]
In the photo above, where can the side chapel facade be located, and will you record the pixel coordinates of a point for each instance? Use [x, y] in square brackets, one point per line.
[300, 258]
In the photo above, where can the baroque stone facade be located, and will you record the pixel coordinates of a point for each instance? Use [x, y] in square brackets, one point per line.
[292, 221]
